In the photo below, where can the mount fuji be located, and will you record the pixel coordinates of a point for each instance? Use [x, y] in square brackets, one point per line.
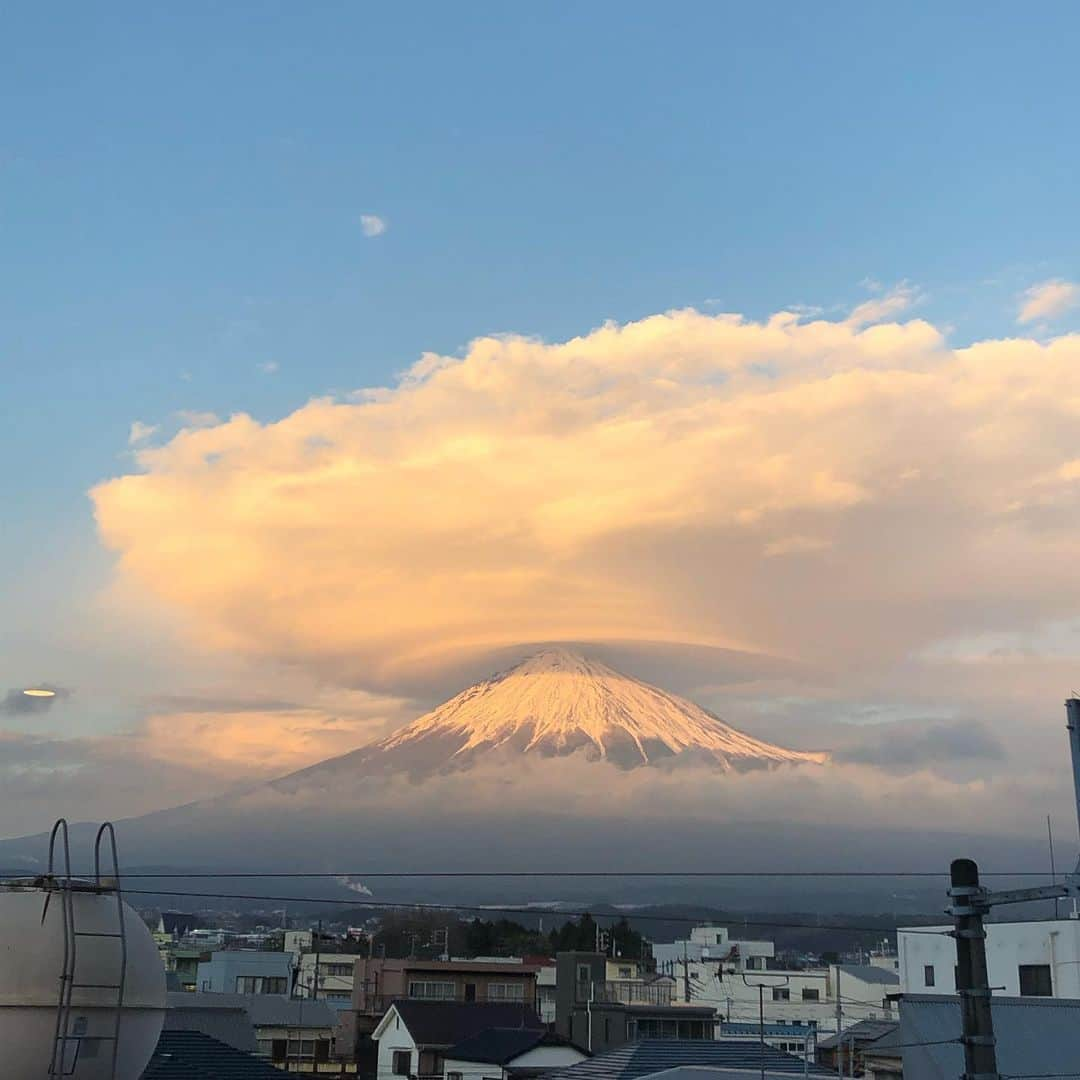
[554, 704]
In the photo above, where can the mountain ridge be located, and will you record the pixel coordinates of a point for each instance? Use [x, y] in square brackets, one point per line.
[556, 703]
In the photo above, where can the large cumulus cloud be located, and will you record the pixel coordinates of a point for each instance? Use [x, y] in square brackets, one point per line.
[839, 494]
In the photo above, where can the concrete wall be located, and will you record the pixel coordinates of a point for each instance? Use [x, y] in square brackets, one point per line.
[1055, 943]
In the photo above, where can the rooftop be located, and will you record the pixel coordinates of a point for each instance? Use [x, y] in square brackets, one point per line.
[650, 1056]
[864, 1032]
[498, 1046]
[448, 1023]
[265, 1010]
[871, 974]
[191, 1055]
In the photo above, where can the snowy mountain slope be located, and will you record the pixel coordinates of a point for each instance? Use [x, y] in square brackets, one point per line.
[553, 704]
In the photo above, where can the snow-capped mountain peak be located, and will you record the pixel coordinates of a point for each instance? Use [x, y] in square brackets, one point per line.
[556, 703]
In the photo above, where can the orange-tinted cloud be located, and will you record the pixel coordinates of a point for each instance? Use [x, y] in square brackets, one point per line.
[841, 494]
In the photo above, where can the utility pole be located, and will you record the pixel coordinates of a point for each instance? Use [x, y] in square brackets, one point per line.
[972, 979]
[685, 974]
[839, 1028]
[761, 1011]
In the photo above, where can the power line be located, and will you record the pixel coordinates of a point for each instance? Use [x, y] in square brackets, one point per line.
[488, 908]
[719, 874]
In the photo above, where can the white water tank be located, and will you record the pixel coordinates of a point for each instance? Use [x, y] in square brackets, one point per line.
[31, 963]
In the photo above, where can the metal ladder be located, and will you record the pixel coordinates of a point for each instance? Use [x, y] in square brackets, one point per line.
[64, 1060]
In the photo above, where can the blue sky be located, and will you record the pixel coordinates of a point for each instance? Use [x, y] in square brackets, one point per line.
[181, 194]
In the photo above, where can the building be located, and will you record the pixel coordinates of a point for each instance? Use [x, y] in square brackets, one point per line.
[509, 1054]
[739, 979]
[712, 943]
[1034, 1036]
[286, 1029]
[182, 962]
[883, 1059]
[413, 1037]
[176, 924]
[598, 1014]
[379, 982]
[1026, 959]
[799, 1039]
[843, 1052]
[191, 1055]
[545, 992]
[246, 972]
[325, 976]
[652, 1057]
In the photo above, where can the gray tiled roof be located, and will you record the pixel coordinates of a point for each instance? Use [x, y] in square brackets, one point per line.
[863, 1032]
[640, 1059]
[709, 1072]
[445, 1023]
[498, 1046]
[230, 1026]
[190, 1055]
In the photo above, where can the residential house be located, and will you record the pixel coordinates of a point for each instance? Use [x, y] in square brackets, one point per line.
[1026, 959]
[379, 982]
[183, 963]
[413, 1037]
[246, 972]
[509, 1054]
[843, 1052]
[191, 1055]
[599, 1014]
[286, 1029]
[883, 1059]
[653, 1057]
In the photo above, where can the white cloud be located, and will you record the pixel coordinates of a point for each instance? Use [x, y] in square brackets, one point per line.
[372, 225]
[885, 306]
[140, 432]
[194, 418]
[628, 485]
[269, 367]
[1048, 300]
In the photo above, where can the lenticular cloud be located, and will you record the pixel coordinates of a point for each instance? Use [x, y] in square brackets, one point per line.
[832, 492]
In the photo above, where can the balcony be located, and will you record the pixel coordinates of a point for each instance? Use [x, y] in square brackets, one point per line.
[625, 992]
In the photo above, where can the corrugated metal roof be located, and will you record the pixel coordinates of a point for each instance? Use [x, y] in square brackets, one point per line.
[649, 1056]
[1034, 1035]
[190, 1055]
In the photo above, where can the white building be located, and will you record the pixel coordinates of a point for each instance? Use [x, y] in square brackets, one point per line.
[1026, 959]
[326, 977]
[711, 968]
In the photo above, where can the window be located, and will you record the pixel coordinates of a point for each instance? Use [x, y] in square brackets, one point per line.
[1035, 980]
[928, 975]
[261, 984]
[607, 1030]
[626, 973]
[755, 963]
[453, 1076]
[431, 990]
[809, 994]
[402, 1062]
[781, 993]
[337, 969]
[514, 991]
[583, 975]
[719, 939]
